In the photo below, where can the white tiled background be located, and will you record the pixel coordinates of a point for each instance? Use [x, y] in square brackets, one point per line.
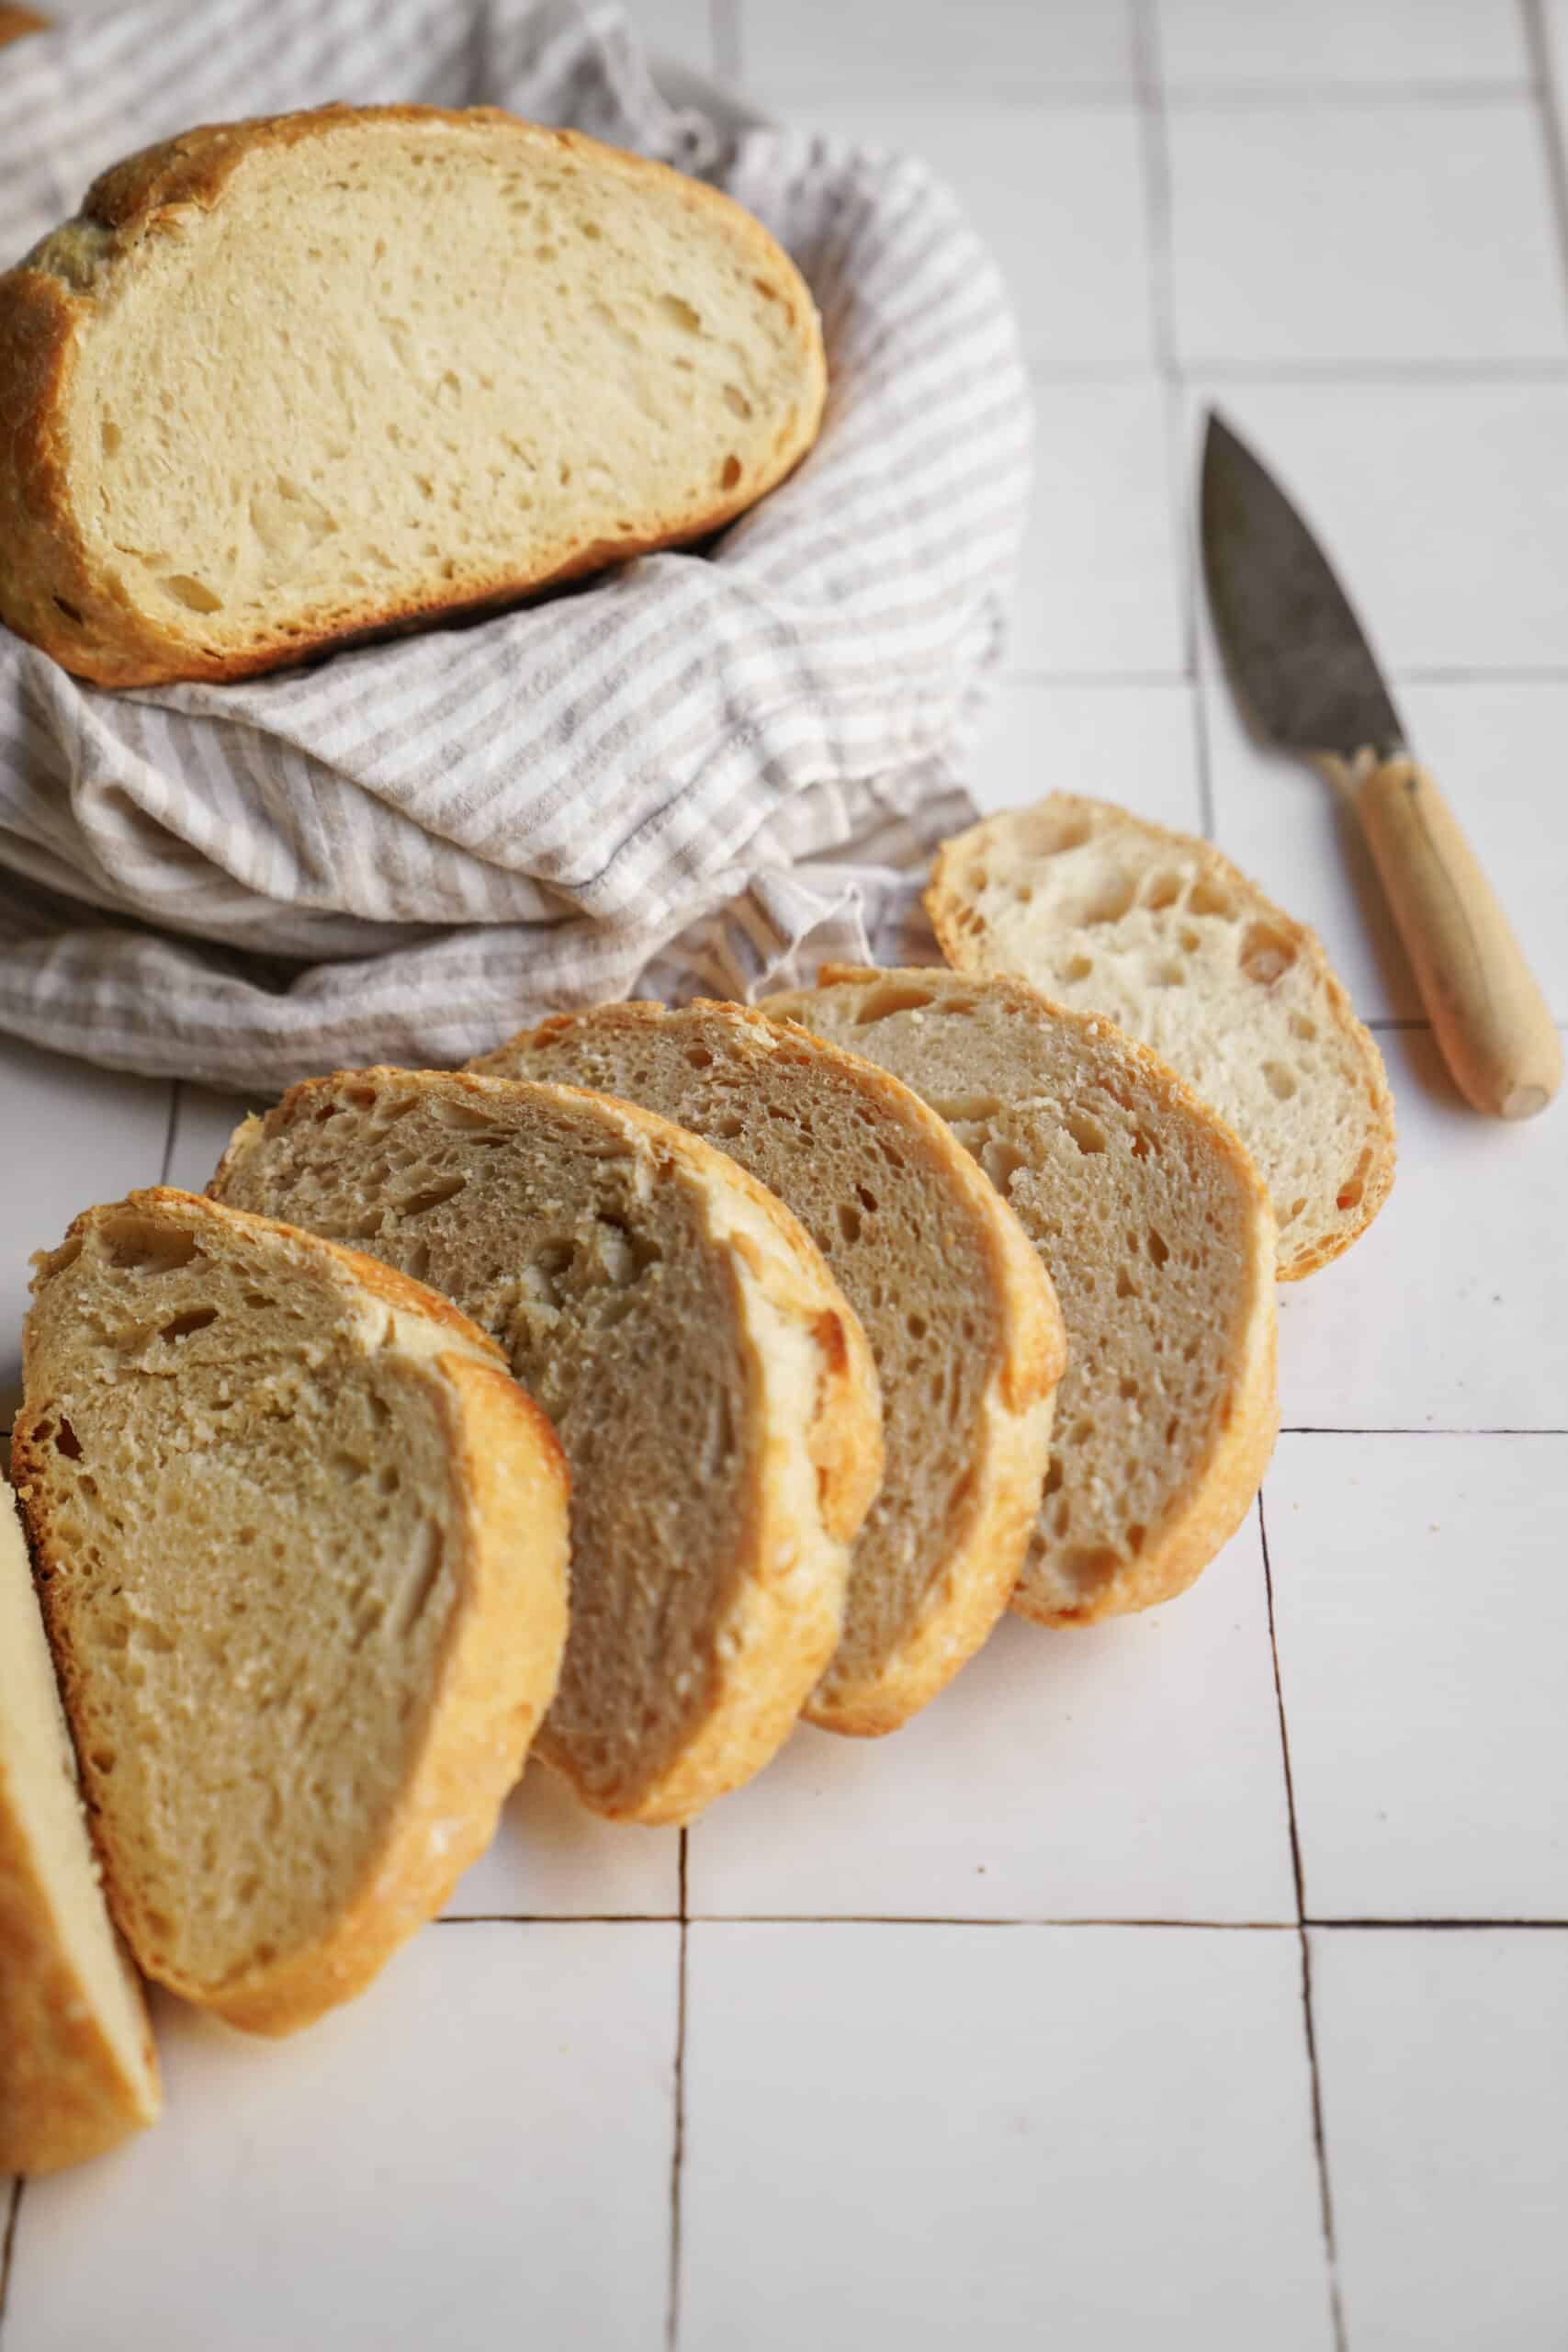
[1201, 1979]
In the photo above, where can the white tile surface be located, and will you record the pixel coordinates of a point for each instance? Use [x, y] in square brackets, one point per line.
[1399, 44]
[1443, 2059]
[1074, 1775]
[1134, 745]
[1451, 1310]
[1422, 1617]
[1444, 507]
[1446, 211]
[553, 1858]
[1001, 2136]
[1057, 193]
[475, 2153]
[1097, 582]
[1491, 743]
[68, 1137]
[793, 49]
[204, 1122]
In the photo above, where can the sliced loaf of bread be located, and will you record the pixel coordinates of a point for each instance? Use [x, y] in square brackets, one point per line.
[285, 382]
[77, 2069]
[1158, 1238]
[959, 1312]
[714, 1393]
[1110, 914]
[302, 1547]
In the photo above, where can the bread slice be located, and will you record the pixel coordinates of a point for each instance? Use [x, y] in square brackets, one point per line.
[302, 1547]
[1110, 914]
[284, 382]
[1158, 1238]
[77, 2069]
[959, 1312]
[713, 1391]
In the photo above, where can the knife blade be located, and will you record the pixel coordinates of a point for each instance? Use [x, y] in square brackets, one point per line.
[1306, 682]
[1304, 675]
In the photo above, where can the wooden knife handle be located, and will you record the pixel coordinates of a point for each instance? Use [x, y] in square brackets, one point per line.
[1489, 1017]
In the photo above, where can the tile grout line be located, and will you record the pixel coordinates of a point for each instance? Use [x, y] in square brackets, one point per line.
[8, 2247]
[1149, 87]
[1331, 2258]
[677, 2150]
[1548, 102]
[171, 1132]
[1330, 1923]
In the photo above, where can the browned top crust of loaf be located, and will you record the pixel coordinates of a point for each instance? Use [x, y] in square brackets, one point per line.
[14, 22]
[51, 590]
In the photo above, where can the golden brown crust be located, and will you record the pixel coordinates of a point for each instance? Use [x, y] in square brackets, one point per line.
[497, 1671]
[14, 23]
[945, 902]
[981, 1571]
[1215, 1499]
[65, 2092]
[51, 592]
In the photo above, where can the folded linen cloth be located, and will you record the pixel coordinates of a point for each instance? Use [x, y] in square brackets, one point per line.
[700, 774]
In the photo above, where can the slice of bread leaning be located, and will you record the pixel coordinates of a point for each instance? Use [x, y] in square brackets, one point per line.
[1158, 1238]
[77, 2069]
[713, 1391]
[1110, 914]
[301, 1541]
[286, 382]
[959, 1312]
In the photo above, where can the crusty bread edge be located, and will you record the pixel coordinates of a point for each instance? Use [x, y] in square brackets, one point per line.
[982, 1570]
[46, 303]
[65, 2092]
[942, 901]
[1207, 1510]
[497, 1670]
[772, 1646]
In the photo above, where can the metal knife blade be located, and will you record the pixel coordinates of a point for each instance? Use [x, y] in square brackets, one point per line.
[1304, 676]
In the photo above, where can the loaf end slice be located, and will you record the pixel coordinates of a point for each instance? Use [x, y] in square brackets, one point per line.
[712, 1388]
[302, 1546]
[955, 1303]
[1159, 1240]
[77, 2068]
[1107, 914]
[286, 383]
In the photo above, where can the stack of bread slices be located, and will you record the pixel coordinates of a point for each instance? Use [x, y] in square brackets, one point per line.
[665, 1377]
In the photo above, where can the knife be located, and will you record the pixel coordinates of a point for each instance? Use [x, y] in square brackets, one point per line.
[1307, 683]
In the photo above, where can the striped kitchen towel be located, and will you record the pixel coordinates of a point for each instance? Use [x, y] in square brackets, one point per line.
[699, 775]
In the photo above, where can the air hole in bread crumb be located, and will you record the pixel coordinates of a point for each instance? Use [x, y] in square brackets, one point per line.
[848, 1222]
[881, 1003]
[1206, 898]
[736, 400]
[1128, 1390]
[194, 595]
[1112, 901]
[1086, 1133]
[196, 1318]
[681, 313]
[144, 1249]
[103, 1759]
[1079, 967]
[109, 434]
[1265, 952]
[1125, 1286]
[1303, 1028]
[1137, 1536]
[1054, 1476]
[1159, 1248]
[1167, 974]
[1350, 1196]
[730, 473]
[66, 1441]
[1087, 1563]
[1001, 1162]
[1281, 1085]
[1162, 889]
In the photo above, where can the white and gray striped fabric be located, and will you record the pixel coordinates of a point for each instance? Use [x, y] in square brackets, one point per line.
[699, 775]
